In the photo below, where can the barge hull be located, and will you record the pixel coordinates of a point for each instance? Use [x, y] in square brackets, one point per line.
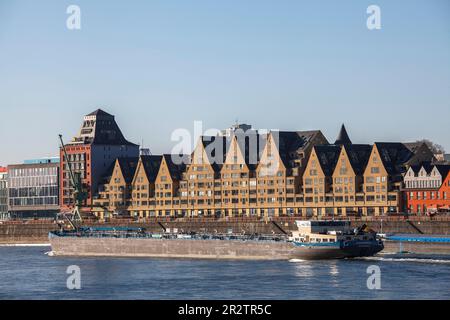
[193, 249]
[162, 248]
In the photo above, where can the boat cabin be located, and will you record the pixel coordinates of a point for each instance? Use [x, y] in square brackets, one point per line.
[319, 231]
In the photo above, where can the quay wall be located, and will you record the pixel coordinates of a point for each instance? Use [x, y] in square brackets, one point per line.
[16, 232]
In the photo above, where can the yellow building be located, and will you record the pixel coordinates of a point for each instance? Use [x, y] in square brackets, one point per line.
[278, 173]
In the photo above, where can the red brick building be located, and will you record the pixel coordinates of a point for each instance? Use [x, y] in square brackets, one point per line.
[427, 189]
[92, 152]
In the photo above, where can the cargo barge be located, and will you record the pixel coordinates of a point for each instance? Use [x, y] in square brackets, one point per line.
[312, 240]
[417, 244]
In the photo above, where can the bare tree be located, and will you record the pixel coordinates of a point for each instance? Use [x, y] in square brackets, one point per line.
[434, 147]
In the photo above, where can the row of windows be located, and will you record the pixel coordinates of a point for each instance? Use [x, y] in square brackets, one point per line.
[33, 181]
[236, 201]
[37, 201]
[52, 191]
[423, 184]
[375, 179]
[234, 175]
[76, 157]
[427, 195]
[270, 211]
[306, 200]
[377, 188]
[33, 172]
[377, 198]
[420, 208]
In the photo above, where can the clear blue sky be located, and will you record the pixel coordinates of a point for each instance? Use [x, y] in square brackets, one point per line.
[160, 65]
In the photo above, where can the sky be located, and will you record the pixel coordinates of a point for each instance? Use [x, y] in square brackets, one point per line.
[161, 65]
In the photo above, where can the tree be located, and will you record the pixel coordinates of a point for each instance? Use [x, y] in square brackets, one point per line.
[434, 147]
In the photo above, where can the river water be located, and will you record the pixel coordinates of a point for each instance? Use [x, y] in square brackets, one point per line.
[30, 273]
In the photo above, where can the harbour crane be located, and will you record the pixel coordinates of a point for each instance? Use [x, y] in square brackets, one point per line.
[79, 195]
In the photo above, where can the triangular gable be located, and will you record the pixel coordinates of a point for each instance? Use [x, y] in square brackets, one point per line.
[149, 166]
[164, 170]
[140, 172]
[235, 154]
[199, 156]
[271, 163]
[422, 172]
[117, 173]
[314, 164]
[343, 156]
[375, 160]
[410, 172]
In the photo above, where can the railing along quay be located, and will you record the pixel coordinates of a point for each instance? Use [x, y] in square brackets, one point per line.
[206, 220]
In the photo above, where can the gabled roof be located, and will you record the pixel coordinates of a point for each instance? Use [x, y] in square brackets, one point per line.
[394, 156]
[100, 128]
[250, 146]
[328, 156]
[422, 153]
[288, 142]
[99, 112]
[151, 166]
[359, 155]
[293, 142]
[305, 138]
[128, 167]
[443, 170]
[426, 165]
[218, 145]
[413, 146]
[176, 169]
[106, 178]
[343, 137]
[285, 144]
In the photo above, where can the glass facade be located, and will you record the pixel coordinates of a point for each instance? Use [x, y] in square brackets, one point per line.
[3, 195]
[33, 187]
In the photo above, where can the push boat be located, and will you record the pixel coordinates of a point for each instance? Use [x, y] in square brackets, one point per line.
[312, 240]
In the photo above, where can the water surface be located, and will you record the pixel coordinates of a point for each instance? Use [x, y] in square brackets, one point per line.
[29, 273]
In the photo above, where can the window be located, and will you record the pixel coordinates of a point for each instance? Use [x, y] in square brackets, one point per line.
[375, 170]
[370, 180]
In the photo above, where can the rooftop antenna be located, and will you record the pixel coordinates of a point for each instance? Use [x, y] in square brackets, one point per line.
[144, 151]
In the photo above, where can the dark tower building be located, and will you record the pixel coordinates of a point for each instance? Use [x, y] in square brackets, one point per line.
[91, 153]
[343, 137]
